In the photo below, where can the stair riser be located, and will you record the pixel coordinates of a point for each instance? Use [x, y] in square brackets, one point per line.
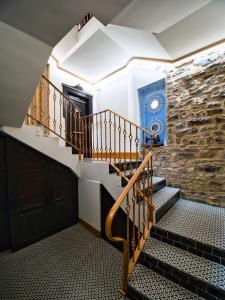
[164, 209]
[135, 295]
[189, 245]
[184, 279]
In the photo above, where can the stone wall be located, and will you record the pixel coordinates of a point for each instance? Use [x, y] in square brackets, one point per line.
[194, 158]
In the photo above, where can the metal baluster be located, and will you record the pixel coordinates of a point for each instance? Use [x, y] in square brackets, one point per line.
[66, 119]
[130, 139]
[143, 202]
[119, 129]
[97, 150]
[75, 125]
[124, 145]
[139, 212]
[136, 143]
[89, 134]
[100, 124]
[71, 123]
[133, 243]
[110, 137]
[106, 146]
[143, 145]
[60, 115]
[54, 118]
[114, 138]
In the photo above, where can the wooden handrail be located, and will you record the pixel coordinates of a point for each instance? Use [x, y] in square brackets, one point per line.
[120, 199]
[64, 96]
[120, 116]
[129, 263]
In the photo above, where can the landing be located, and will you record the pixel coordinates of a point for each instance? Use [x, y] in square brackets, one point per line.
[196, 221]
[72, 264]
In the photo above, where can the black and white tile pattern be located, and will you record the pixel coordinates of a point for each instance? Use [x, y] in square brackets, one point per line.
[170, 259]
[72, 264]
[146, 284]
[196, 221]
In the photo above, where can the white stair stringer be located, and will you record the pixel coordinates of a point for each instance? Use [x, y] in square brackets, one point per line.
[33, 137]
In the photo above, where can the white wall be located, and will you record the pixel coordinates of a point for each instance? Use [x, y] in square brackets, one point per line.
[120, 94]
[90, 202]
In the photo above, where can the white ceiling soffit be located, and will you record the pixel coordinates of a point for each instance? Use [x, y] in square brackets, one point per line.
[156, 15]
[204, 27]
[50, 20]
[135, 42]
[74, 39]
[96, 58]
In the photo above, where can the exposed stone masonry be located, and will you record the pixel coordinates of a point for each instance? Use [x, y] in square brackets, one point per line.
[194, 158]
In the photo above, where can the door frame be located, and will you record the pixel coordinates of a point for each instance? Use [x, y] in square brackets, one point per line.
[70, 90]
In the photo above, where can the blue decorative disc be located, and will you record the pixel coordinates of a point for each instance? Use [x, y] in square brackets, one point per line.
[154, 104]
[156, 127]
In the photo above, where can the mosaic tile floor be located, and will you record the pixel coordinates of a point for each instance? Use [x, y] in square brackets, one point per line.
[199, 267]
[162, 196]
[156, 287]
[196, 221]
[72, 264]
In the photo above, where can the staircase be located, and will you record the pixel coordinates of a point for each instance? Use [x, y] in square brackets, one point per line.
[172, 248]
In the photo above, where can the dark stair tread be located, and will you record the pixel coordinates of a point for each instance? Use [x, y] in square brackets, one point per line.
[155, 287]
[206, 271]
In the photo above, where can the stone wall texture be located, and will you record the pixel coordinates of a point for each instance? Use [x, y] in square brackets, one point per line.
[194, 158]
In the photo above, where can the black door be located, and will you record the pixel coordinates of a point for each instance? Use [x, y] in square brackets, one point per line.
[84, 103]
[26, 195]
[42, 195]
[4, 224]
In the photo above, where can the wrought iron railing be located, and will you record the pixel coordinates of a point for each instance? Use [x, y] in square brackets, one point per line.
[136, 201]
[110, 136]
[57, 114]
[84, 21]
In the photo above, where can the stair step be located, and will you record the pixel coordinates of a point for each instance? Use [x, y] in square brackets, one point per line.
[124, 166]
[194, 227]
[146, 284]
[164, 199]
[198, 274]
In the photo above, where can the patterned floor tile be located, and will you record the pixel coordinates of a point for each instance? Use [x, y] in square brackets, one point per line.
[72, 264]
[201, 222]
[156, 287]
[199, 267]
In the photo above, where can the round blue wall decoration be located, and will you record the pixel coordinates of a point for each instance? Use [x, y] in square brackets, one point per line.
[156, 127]
[154, 104]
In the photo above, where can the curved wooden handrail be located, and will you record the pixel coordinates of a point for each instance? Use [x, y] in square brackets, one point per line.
[58, 90]
[121, 198]
[120, 116]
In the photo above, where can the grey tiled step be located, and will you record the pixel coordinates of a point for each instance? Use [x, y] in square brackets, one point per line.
[146, 284]
[164, 199]
[194, 227]
[198, 274]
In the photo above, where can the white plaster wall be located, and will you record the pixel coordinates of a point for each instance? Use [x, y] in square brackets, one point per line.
[120, 93]
[90, 202]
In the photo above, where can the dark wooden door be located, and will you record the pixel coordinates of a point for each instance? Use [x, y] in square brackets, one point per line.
[81, 100]
[4, 221]
[42, 195]
[26, 194]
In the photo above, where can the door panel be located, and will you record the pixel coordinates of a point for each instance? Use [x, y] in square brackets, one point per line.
[26, 194]
[43, 195]
[4, 224]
